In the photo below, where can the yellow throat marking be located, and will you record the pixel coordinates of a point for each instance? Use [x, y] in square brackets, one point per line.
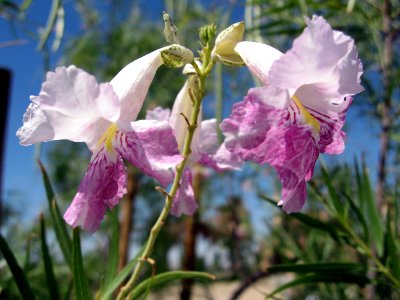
[108, 137]
[306, 114]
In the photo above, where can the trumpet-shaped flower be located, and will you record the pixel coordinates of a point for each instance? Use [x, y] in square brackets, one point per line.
[205, 147]
[73, 106]
[300, 110]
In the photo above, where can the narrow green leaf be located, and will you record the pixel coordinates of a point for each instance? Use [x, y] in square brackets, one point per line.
[48, 263]
[50, 24]
[350, 6]
[19, 276]
[318, 267]
[372, 213]
[58, 29]
[25, 5]
[119, 279]
[333, 196]
[27, 262]
[60, 228]
[166, 277]
[314, 223]
[319, 278]
[391, 251]
[113, 254]
[82, 291]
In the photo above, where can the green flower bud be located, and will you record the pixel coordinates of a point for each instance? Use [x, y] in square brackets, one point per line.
[176, 56]
[207, 33]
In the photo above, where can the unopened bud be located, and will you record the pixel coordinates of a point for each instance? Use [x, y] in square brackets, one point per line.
[170, 30]
[176, 56]
[226, 42]
[207, 33]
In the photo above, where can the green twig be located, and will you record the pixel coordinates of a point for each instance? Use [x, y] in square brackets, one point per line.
[205, 70]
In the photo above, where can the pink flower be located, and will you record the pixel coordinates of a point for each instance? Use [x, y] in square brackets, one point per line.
[205, 147]
[300, 110]
[73, 106]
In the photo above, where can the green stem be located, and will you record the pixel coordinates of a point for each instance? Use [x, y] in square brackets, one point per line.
[381, 268]
[199, 95]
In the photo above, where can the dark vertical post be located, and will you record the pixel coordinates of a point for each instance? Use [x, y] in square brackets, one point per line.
[5, 82]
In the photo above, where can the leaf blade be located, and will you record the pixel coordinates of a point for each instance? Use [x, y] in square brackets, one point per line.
[17, 272]
[166, 277]
[78, 271]
[48, 263]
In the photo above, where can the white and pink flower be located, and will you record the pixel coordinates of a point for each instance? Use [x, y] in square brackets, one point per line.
[205, 148]
[73, 106]
[300, 110]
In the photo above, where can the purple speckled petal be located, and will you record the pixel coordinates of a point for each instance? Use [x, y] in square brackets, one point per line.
[184, 201]
[101, 188]
[151, 147]
[213, 155]
[265, 134]
[250, 120]
[222, 160]
[331, 135]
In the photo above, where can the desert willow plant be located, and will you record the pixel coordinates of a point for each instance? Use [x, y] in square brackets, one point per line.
[295, 115]
[72, 105]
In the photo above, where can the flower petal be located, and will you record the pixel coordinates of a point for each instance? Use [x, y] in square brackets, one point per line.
[132, 83]
[71, 105]
[319, 55]
[211, 154]
[184, 201]
[265, 134]
[101, 188]
[159, 114]
[249, 121]
[45, 125]
[183, 105]
[151, 147]
[258, 57]
[75, 93]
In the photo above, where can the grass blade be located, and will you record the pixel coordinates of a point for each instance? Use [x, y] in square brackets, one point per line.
[325, 278]
[48, 263]
[50, 24]
[372, 212]
[338, 267]
[61, 231]
[166, 277]
[80, 281]
[119, 279]
[333, 196]
[19, 276]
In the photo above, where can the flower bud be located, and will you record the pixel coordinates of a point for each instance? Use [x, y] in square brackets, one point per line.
[170, 30]
[207, 33]
[225, 45]
[176, 56]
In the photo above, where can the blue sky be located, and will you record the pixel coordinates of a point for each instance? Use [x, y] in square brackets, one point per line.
[20, 173]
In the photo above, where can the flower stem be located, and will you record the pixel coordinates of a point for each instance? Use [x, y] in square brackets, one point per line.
[198, 97]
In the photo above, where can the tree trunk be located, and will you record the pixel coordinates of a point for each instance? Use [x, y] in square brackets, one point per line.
[127, 209]
[189, 243]
[387, 121]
